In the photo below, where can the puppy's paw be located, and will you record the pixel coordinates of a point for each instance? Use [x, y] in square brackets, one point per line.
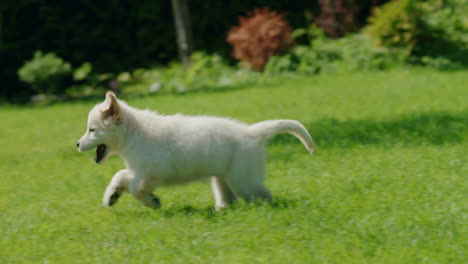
[156, 202]
[110, 200]
[113, 199]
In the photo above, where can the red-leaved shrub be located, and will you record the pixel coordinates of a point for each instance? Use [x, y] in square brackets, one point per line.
[259, 36]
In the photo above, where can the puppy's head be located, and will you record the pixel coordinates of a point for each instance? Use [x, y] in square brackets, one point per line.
[104, 125]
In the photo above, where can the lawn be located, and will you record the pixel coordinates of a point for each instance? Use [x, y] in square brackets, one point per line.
[387, 183]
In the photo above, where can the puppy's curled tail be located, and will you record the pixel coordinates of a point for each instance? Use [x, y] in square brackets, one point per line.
[266, 129]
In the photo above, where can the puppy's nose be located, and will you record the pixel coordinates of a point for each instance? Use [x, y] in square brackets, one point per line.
[78, 144]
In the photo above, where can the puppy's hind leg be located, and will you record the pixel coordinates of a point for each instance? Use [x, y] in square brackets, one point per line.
[246, 179]
[222, 193]
[116, 187]
[252, 191]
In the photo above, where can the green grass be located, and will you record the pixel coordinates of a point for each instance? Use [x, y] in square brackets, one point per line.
[387, 183]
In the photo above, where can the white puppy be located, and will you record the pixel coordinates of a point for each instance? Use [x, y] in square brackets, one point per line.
[163, 150]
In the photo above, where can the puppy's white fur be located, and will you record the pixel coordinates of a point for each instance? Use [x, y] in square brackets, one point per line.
[162, 150]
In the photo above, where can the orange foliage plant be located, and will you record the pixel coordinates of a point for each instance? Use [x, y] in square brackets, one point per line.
[259, 36]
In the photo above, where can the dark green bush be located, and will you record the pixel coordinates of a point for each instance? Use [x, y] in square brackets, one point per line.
[45, 73]
[443, 30]
[115, 36]
[431, 28]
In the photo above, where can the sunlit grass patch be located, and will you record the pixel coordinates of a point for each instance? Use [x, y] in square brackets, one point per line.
[387, 183]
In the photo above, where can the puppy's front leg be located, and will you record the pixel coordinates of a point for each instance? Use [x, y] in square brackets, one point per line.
[148, 199]
[116, 187]
[141, 190]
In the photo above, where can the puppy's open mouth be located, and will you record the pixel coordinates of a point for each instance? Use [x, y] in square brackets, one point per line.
[100, 152]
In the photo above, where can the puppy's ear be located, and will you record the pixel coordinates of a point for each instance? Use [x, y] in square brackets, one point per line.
[111, 106]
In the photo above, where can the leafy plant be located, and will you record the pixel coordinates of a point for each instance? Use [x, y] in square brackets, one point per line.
[440, 63]
[259, 36]
[88, 82]
[360, 54]
[443, 30]
[205, 72]
[45, 73]
[392, 25]
[351, 53]
[432, 28]
[83, 72]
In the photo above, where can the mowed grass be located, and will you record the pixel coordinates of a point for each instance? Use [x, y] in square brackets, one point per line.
[387, 183]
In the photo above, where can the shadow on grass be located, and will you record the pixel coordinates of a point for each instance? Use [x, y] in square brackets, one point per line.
[419, 129]
[279, 203]
[209, 213]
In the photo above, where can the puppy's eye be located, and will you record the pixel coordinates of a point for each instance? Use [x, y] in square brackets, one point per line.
[92, 130]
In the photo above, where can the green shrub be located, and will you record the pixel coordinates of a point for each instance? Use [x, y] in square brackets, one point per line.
[83, 72]
[443, 29]
[432, 28]
[439, 63]
[205, 72]
[359, 53]
[351, 53]
[45, 73]
[89, 82]
[392, 25]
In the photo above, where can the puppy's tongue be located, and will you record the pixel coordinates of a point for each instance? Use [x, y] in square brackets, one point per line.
[100, 152]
